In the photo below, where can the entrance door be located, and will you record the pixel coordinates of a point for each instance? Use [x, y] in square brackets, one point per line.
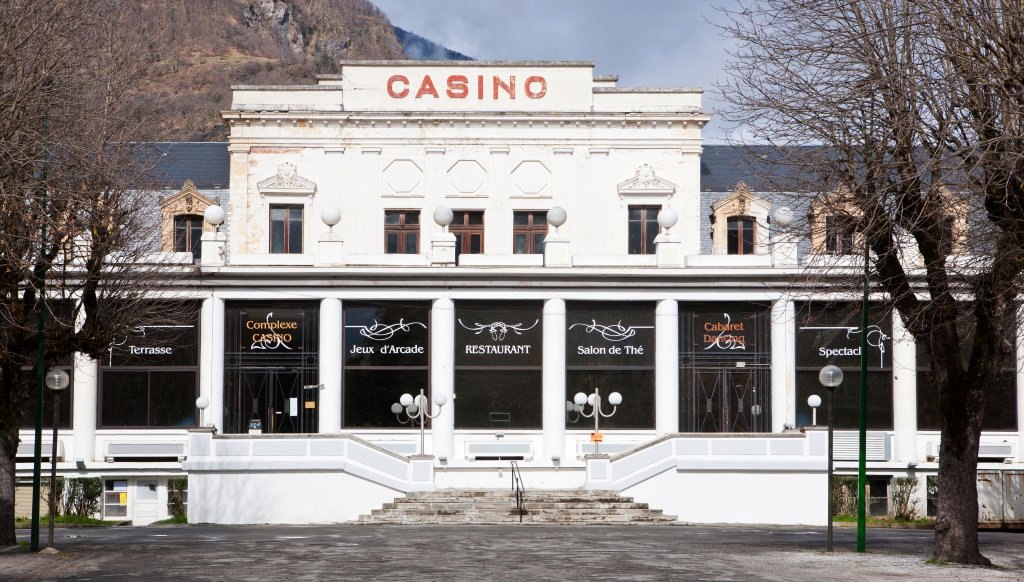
[147, 502]
[725, 400]
[281, 402]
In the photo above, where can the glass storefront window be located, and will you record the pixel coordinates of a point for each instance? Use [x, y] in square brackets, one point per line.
[498, 358]
[829, 333]
[610, 346]
[150, 377]
[271, 367]
[386, 354]
[725, 367]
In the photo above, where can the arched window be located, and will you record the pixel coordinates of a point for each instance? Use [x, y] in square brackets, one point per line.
[188, 232]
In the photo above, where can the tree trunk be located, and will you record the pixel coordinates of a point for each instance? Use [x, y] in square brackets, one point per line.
[956, 525]
[7, 460]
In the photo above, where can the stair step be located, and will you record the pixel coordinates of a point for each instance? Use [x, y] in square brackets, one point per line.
[497, 506]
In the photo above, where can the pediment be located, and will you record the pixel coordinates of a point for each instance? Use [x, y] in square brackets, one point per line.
[645, 181]
[742, 202]
[286, 181]
[188, 200]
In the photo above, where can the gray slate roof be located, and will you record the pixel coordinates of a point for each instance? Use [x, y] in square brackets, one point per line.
[207, 164]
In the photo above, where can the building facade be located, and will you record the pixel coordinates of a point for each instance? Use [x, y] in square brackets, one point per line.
[500, 236]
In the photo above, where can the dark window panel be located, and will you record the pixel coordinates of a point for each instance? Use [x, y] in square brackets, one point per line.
[846, 399]
[124, 399]
[498, 399]
[369, 395]
[172, 398]
[635, 386]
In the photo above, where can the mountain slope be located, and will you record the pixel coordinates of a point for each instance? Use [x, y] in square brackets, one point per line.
[213, 44]
[421, 49]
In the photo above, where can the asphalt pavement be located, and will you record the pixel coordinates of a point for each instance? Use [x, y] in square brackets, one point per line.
[493, 552]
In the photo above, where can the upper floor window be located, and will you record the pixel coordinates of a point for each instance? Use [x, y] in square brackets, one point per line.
[839, 234]
[181, 220]
[468, 228]
[286, 229]
[741, 233]
[739, 223]
[643, 228]
[402, 232]
[528, 231]
[188, 232]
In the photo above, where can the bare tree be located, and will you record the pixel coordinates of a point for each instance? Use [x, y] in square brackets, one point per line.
[915, 111]
[76, 223]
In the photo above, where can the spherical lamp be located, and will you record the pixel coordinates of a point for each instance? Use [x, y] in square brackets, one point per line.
[667, 218]
[557, 217]
[783, 217]
[830, 376]
[443, 216]
[214, 215]
[57, 379]
[331, 216]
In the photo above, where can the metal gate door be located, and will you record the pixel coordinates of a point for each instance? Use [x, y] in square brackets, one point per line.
[726, 400]
[281, 402]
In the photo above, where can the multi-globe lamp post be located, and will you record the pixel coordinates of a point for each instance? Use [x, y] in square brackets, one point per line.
[594, 400]
[418, 408]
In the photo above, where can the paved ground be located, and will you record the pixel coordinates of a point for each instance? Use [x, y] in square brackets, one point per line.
[479, 552]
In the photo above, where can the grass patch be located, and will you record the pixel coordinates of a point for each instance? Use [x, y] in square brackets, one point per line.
[74, 520]
[886, 521]
[176, 520]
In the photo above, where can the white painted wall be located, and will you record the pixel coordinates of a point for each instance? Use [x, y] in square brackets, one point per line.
[737, 497]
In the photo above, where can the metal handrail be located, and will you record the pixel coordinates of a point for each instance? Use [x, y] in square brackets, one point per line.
[519, 490]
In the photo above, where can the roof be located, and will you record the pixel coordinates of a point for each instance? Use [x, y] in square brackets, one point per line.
[722, 167]
[762, 168]
[207, 164]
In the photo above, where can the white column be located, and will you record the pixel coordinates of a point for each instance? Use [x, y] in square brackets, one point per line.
[83, 421]
[553, 399]
[211, 360]
[330, 365]
[1020, 385]
[666, 370]
[442, 374]
[904, 391]
[783, 365]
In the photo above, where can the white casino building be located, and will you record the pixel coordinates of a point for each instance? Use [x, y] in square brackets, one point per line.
[500, 235]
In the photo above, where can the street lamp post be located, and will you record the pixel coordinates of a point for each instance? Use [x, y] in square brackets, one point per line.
[594, 400]
[862, 431]
[417, 408]
[56, 380]
[830, 377]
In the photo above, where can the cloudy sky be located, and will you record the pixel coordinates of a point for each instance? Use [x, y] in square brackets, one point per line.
[647, 43]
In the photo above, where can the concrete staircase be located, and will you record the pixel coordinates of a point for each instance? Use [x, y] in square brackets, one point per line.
[489, 506]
